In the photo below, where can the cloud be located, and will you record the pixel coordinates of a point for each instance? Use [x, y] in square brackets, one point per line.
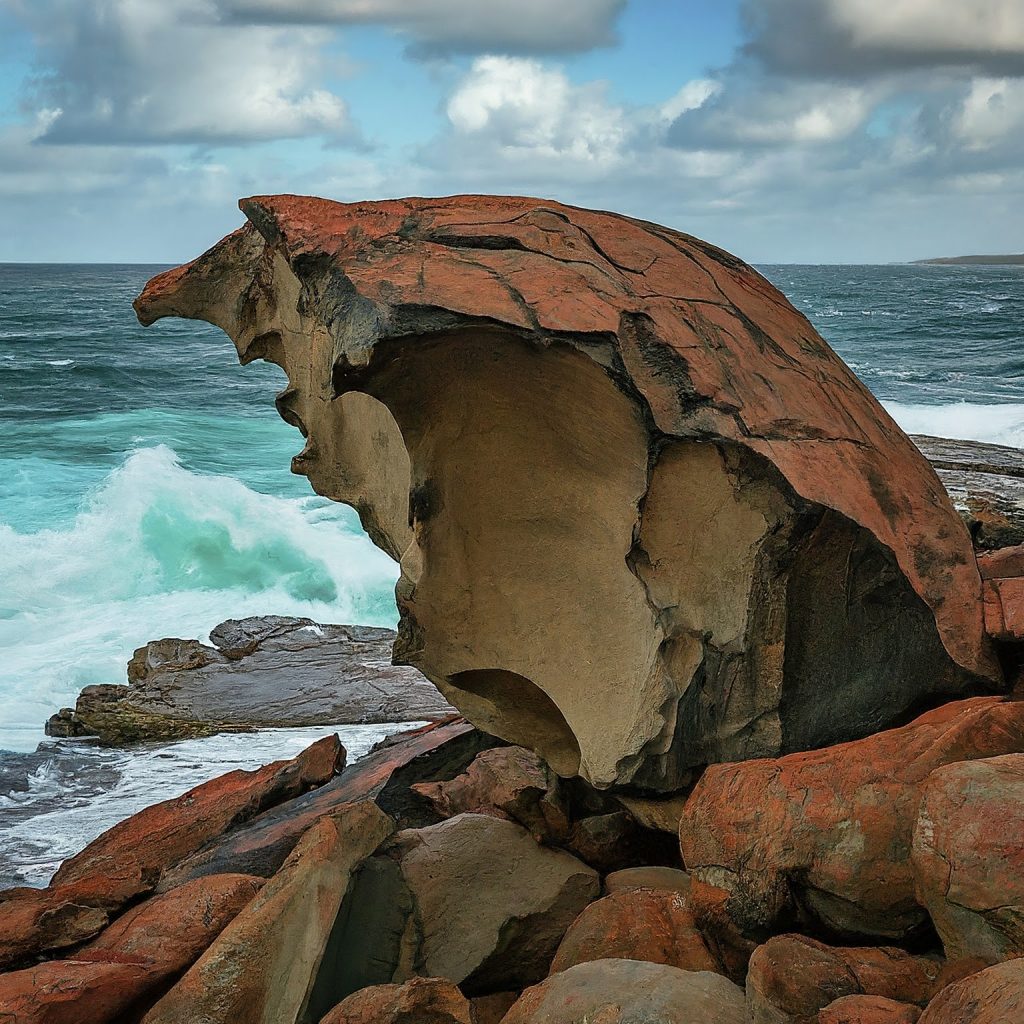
[167, 71]
[861, 38]
[455, 26]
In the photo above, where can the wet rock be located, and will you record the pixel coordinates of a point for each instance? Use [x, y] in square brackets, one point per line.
[385, 775]
[792, 978]
[826, 835]
[869, 1010]
[500, 385]
[419, 1001]
[262, 967]
[509, 782]
[639, 924]
[993, 996]
[968, 857]
[116, 977]
[130, 859]
[670, 879]
[628, 992]
[269, 671]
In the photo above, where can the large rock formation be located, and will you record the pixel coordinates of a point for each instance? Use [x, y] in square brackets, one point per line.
[646, 518]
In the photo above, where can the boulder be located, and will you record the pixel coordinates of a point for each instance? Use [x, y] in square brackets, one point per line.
[630, 992]
[610, 842]
[130, 859]
[645, 516]
[670, 879]
[262, 967]
[510, 782]
[437, 751]
[791, 978]
[993, 996]
[491, 1009]
[639, 924]
[827, 834]
[968, 857]
[869, 1010]
[419, 1001]
[262, 672]
[131, 964]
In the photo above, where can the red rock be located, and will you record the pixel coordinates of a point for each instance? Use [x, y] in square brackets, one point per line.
[262, 968]
[968, 857]
[437, 751]
[131, 964]
[792, 978]
[829, 832]
[869, 1010]
[419, 1001]
[630, 992]
[509, 782]
[1001, 563]
[639, 924]
[993, 996]
[671, 879]
[610, 842]
[716, 913]
[499, 384]
[491, 1009]
[35, 921]
[1004, 608]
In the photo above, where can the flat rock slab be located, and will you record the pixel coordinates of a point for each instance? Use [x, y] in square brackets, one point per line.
[265, 672]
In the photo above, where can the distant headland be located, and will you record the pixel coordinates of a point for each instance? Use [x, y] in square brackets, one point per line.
[974, 261]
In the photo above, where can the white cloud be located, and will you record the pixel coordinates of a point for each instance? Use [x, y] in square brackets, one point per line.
[473, 26]
[991, 113]
[157, 71]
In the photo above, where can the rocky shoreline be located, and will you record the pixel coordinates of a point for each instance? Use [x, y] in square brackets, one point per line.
[741, 732]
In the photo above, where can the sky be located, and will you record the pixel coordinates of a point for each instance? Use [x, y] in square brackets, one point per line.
[804, 131]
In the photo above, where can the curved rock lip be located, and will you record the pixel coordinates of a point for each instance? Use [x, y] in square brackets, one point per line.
[646, 518]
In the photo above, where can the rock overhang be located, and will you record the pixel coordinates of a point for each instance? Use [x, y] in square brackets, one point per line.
[646, 518]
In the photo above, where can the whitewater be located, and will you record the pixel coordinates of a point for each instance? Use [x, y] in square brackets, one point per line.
[145, 492]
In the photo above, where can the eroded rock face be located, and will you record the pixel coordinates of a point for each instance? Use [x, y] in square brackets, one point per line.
[992, 996]
[645, 516]
[419, 1001]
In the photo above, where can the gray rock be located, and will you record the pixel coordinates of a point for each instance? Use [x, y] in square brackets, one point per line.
[264, 672]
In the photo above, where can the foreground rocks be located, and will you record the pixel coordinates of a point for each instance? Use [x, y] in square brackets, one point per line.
[500, 385]
[263, 672]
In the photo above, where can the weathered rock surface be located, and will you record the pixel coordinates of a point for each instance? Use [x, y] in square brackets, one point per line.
[131, 964]
[968, 857]
[437, 751]
[522, 398]
[129, 860]
[869, 1010]
[630, 992]
[509, 782]
[986, 484]
[827, 834]
[261, 672]
[993, 996]
[262, 968]
[791, 978]
[642, 924]
[670, 879]
[610, 842]
[419, 1001]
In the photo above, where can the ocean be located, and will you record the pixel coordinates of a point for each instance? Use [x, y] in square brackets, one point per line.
[145, 492]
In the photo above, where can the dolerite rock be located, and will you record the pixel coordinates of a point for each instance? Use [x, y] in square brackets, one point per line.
[630, 992]
[670, 879]
[869, 1010]
[792, 978]
[419, 1001]
[510, 782]
[827, 834]
[129, 859]
[968, 857]
[646, 517]
[490, 904]
[262, 672]
[119, 975]
[640, 924]
[993, 996]
[611, 842]
[261, 968]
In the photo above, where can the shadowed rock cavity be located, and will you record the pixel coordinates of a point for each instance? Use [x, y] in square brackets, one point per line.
[646, 519]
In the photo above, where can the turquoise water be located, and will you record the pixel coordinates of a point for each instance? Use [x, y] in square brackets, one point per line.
[144, 484]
